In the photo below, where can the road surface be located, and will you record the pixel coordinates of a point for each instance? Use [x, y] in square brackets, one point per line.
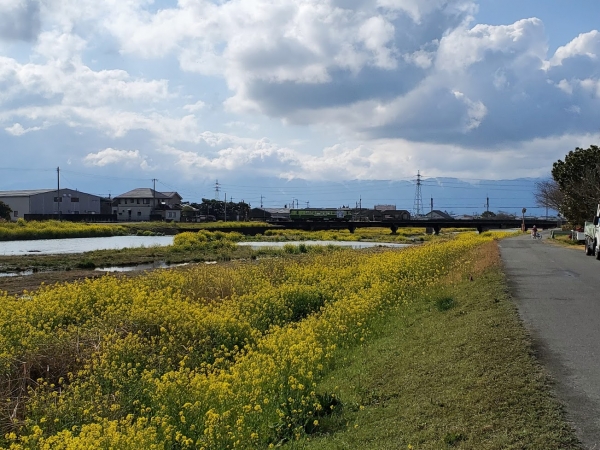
[557, 291]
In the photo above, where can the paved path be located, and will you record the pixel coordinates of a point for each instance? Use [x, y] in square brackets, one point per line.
[557, 291]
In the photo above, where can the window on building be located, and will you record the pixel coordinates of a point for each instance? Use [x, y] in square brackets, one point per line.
[146, 201]
[138, 201]
[74, 199]
[139, 213]
[16, 213]
[57, 199]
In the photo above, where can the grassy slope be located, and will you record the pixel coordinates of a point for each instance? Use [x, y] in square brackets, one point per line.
[458, 378]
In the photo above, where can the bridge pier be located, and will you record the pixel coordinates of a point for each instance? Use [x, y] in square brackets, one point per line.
[433, 230]
[352, 228]
[394, 229]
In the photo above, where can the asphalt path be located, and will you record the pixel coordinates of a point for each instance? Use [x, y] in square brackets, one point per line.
[557, 292]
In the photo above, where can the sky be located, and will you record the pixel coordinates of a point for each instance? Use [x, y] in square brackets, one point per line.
[266, 95]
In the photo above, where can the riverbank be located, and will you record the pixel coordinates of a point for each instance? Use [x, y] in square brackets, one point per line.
[181, 254]
[415, 349]
[453, 370]
[53, 229]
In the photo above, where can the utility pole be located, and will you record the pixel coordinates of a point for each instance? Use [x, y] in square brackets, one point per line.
[432, 207]
[153, 196]
[261, 201]
[307, 205]
[225, 206]
[58, 198]
[487, 204]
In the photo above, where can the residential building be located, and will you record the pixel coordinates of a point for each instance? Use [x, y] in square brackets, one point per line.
[145, 204]
[50, 202]
[437, 214]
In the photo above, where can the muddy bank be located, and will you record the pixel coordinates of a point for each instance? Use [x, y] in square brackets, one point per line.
[16, 285]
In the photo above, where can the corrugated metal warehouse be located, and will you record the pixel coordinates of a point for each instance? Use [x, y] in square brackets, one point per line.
[50, 201]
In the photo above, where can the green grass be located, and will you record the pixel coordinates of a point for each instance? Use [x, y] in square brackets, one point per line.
[455, 370]
[566, 241]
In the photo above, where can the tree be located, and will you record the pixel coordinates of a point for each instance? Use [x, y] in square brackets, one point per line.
[5, 211]
[488, 215]
[549, 195]
[578, 179]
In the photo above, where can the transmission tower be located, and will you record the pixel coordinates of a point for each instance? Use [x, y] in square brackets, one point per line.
[418, 209]
[217, 190]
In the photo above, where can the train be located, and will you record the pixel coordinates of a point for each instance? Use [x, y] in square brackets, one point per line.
[321, 214]
[347, 215]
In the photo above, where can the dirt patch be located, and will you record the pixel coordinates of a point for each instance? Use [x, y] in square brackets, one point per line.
[16, 285]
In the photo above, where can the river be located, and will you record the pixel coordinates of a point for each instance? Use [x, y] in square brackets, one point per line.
[81, 245]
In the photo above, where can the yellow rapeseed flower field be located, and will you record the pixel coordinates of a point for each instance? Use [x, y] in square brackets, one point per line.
[209, 357]
[53, 229]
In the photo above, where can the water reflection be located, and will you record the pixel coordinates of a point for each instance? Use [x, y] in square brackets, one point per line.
[80, 245]
[149, 266]
[16, 274]
[352, 244]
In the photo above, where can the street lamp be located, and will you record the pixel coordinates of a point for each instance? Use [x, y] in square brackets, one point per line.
[524, 210]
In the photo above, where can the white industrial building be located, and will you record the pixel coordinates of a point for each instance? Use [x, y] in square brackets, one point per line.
[50, 201]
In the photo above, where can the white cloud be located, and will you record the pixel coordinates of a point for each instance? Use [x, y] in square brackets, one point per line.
[18, 130]
[420, 58]
[389, 159]
[360, 77]
[521, 42]
[476, 111]
[110, 156]
[586, 44]
[199, 105]
[565, 86]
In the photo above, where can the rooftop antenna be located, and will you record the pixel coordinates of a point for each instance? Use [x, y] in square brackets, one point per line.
[418, 209]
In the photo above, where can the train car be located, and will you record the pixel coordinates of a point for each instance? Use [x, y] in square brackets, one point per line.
[321, 215]
[376, 215]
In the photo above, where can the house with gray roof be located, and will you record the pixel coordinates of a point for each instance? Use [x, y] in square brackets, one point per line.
[50, 202]
[437, 214]
[145, 204]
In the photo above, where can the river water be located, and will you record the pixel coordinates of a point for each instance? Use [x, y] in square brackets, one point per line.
[81, 245]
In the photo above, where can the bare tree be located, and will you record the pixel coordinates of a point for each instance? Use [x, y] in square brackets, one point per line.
[549, 195]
